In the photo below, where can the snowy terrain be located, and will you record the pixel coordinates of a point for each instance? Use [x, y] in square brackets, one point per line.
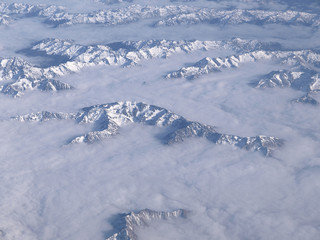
[173, 119]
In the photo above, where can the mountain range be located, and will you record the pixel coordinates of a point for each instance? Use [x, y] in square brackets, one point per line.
[20, 75]
[108, 118]
[169, 15]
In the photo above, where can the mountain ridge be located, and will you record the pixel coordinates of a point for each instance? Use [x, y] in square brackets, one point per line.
[303, 74]
[107, 119]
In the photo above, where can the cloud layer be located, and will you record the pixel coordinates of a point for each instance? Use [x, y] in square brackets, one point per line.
[52, 191]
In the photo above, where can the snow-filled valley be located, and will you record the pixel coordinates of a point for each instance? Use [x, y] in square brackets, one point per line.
[174, 119]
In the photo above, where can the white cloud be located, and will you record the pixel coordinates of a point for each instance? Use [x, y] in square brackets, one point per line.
[53, 192]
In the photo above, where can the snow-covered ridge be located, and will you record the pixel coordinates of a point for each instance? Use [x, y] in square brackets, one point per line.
[169, 15]
[22, 76]
[108, 118]
[303, 74]
[303, 59]
[132, 221]
[240, 16]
